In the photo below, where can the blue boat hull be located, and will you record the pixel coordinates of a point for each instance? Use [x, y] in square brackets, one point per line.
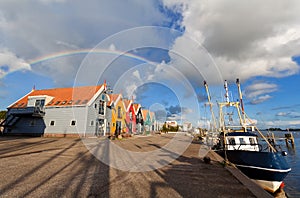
[265, 166]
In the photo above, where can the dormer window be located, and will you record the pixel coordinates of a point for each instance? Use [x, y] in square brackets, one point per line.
[40, 103]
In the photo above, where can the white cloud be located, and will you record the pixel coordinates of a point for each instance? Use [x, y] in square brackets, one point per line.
[260, 99]
[246, 39]
[283, 123]
[260, 88]
[290, 114]
[282, 114]
[9, 62]
[40, 29]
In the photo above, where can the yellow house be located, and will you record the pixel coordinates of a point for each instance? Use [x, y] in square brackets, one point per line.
[118, 114]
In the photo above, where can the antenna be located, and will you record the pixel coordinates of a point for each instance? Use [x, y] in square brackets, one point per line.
[210, 105]
[241, 99]
[226, 91]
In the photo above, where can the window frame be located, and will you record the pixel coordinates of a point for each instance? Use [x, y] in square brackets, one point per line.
[73, 121]
[50, 123]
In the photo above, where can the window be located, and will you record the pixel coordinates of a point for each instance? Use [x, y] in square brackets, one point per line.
[78, 101]
[92, 122]
[95, 106]
[242, 141]
[130, 115]
[101, 107]
[252, 141]
[231, 141]
[119, 112]
[52, 123]
[57, 103]
[73, 122]
[40, 103]
[64, 102]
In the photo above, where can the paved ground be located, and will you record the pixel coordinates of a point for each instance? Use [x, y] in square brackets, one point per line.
[63, 167]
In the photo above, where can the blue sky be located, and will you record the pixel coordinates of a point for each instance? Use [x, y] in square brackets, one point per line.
[171, 46]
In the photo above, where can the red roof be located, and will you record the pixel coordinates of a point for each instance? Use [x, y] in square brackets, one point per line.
[61, 96]
[136, 107]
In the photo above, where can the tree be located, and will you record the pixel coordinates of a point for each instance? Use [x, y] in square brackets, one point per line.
[2, 114]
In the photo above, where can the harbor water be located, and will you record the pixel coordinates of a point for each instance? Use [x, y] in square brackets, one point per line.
[292, 181]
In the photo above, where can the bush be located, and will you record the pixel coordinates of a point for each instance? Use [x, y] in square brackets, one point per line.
[2, 114]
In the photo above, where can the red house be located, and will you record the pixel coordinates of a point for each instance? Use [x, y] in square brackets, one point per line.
[130, 119]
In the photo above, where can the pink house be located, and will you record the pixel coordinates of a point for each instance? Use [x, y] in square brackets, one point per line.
[130, 119]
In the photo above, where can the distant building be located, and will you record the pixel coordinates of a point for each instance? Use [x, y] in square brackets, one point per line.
[171, 124]
[74, 111]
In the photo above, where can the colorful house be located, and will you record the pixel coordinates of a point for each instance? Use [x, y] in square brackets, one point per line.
[147, 120]
[73, 111]
[138, 118]
[130, 119]
[117, 114]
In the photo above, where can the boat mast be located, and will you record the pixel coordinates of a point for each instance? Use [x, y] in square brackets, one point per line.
[227, 103]
[210, 105]
[241, 100]
[226, 91]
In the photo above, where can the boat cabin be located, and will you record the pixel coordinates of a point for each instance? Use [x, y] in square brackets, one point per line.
[240, 141]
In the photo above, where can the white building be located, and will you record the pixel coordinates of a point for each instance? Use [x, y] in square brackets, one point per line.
[74, 111]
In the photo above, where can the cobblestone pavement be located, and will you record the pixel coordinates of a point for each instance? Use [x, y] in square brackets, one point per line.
[64, 167]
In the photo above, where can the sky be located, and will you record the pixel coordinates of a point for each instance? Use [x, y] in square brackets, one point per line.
[158, 52]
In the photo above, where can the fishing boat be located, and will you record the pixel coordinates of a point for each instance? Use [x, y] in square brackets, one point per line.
[239, 144]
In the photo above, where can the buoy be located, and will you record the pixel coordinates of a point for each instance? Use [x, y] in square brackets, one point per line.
[282, 185]
[284, 153]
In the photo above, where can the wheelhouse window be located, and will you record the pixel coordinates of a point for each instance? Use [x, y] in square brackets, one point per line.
[101, 107]
[252, 141]
[242, 141]
[231, 141]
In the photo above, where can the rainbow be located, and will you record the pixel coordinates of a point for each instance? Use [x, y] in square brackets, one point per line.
[85, 51]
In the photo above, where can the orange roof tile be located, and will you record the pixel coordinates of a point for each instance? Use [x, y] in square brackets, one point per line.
[112, 98]
[144, 113]
[152, 115]
[62, 96]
